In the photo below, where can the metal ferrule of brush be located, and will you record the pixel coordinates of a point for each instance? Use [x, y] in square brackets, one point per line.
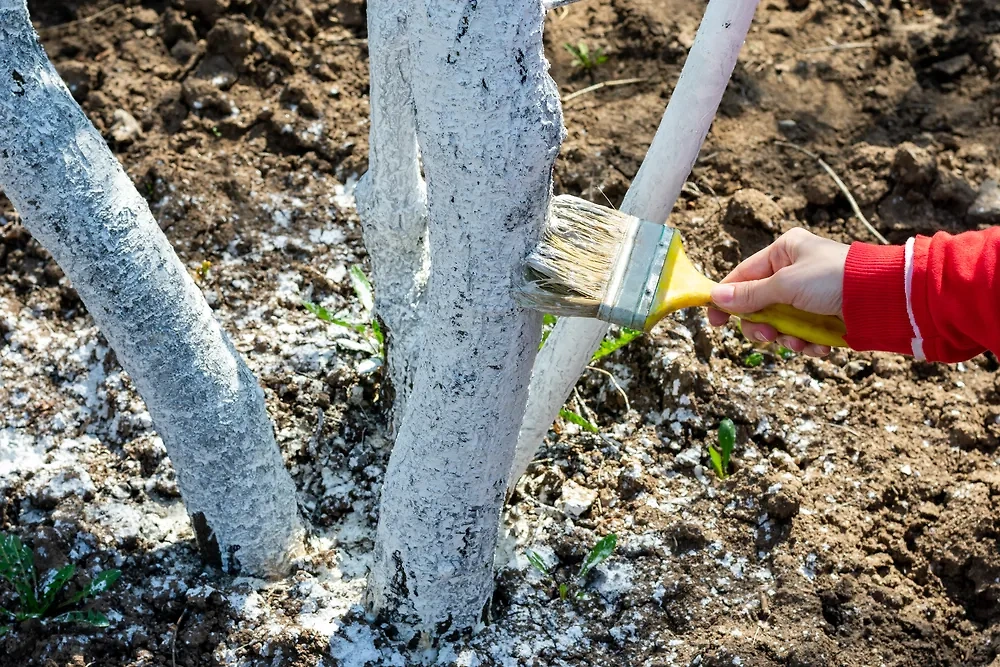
[632, 289]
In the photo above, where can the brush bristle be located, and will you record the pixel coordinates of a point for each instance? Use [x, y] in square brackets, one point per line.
[569, 271]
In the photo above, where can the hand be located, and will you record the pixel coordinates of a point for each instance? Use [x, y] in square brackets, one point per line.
[800, 269]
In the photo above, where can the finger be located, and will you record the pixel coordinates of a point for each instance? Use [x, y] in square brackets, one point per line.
[761, 264]
[759, 333]
[814, 350]
[751, 295]
[717, 318]
[792, 343]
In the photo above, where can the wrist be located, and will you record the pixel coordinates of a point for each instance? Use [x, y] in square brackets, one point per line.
[874, 299]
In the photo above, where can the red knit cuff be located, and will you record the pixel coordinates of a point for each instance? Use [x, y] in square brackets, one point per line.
[875, 299]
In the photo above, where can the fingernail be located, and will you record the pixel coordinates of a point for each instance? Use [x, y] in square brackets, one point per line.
[723, 294]
[760, 337]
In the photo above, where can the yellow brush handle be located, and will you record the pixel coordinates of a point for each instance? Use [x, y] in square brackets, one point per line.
[819, 329]
[681, 285]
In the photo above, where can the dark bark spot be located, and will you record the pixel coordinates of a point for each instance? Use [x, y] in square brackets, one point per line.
[207, 544]
[398, 584]
[19, 80]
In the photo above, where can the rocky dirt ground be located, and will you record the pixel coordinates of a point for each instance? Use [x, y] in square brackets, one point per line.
[858, 528]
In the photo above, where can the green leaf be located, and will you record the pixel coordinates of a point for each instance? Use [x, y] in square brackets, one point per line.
[362, 287]
[609, 345]
[716, 457]
[21, 616]
[574, 418]
[753, 360]
[54, 582]
[17, 565]
[379, 336]
[319, 311]
[785, 353]
[548, 321]
[325, 315]
[99, 584]
[536, 562]
[563, 591]
[102, 582]
[727, 439]
[4, 629]
[600, 553]
[92, 618]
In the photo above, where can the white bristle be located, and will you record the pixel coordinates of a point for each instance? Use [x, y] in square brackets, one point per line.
[569, 271]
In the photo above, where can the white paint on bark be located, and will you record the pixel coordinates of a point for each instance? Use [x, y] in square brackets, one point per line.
[392, 197]
[75, 198]
[488, 126]
[651, 196]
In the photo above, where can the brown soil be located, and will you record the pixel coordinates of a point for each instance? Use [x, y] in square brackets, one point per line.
[858, 526]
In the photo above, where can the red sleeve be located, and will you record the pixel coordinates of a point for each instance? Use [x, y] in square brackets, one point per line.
[935, 298]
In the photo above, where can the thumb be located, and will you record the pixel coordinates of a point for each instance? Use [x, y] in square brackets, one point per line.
[747, 296]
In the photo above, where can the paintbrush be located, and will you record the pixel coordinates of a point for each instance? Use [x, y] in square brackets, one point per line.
[598, 262]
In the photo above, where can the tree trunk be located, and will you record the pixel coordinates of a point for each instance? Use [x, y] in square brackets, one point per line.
[392, 197]
[651, 196]
[488, 126]
[76, 199]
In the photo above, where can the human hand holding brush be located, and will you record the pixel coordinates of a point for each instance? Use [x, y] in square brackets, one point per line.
[801, 270]
[933, 298]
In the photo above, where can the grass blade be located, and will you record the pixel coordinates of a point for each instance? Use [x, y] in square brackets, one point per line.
[92, 618]
[17, 565]
[99, 584]
[362, 287]
[54, 582]
[536, 562]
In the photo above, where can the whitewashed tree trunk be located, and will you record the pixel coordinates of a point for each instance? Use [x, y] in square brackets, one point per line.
[392, 197]
[75, 198]
[651, 196]
[488, 126]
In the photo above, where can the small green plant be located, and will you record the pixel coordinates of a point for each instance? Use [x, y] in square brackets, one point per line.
[785, 353]
[217, 133]
[720, 456]
[548, 322]
[36, 598]
[584, 58]
[582, 422]
[753, 360]
[367, 326]
[600, 553]
[609, 345]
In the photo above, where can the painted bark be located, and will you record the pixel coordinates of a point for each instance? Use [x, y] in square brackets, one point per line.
[392, 198]
[651, 196]
[488, 125]
[76, 200]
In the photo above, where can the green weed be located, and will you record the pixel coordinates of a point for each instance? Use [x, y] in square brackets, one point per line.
[548, 322]
[785, 353]
[582, 422]
[720, 456]
[367, 326]
[600, 553]
[217, 133]
[753, 360]
[609, 345]
[36, 598]
[584, 58]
